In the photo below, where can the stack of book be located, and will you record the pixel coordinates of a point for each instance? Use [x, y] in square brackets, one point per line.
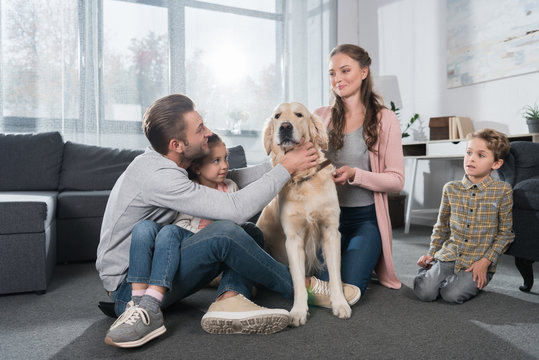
[450, 127]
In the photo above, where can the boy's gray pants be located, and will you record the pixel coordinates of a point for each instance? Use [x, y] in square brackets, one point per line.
[441, 281]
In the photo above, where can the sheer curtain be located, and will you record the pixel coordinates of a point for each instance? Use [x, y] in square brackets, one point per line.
[90, 68]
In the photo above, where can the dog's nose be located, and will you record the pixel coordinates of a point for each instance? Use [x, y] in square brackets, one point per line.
[285, 126]
[286, 132]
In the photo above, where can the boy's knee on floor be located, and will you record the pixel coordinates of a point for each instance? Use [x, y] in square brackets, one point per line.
[453, 295]
[423, 291]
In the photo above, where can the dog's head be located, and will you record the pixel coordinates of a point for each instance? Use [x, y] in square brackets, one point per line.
[290, 123]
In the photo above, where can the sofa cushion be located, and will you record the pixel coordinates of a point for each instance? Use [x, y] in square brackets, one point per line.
[30, 161]
[26, 212]
[526, 160]
[77, 239]
[82, 204]
[236, 157]
[87, 167]
[526, 194]
[507, 171]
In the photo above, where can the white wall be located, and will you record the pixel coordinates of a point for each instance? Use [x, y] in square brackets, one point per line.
[407, 38]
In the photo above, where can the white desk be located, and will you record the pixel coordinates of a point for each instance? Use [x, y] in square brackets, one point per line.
[439, 150]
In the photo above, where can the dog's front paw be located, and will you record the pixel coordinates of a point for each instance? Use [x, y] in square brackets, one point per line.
[342, 311]
[298, 316]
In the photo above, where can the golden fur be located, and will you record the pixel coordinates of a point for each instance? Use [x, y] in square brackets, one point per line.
[304, 216]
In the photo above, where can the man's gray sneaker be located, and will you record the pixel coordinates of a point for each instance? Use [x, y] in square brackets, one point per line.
[135, 327]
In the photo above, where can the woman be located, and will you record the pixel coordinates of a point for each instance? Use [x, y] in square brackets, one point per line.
[365, 147]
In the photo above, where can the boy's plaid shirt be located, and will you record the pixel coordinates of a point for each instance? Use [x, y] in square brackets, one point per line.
[474, 221]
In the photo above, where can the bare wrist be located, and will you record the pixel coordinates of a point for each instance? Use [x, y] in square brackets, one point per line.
[287, 166]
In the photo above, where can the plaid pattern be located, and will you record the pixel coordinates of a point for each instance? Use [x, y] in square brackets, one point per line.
[474, 221]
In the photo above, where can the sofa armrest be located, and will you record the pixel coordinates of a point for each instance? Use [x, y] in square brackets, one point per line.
[526, 194]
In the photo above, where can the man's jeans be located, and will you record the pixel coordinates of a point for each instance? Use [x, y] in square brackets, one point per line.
[222, 246]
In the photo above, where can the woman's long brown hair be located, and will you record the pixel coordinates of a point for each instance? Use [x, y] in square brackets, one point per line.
[372, 101]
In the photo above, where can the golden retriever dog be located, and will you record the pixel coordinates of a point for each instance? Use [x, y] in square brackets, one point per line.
[304, 216]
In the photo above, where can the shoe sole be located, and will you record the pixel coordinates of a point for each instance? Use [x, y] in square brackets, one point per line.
[130, 344]
[259, 324]
[355, 299]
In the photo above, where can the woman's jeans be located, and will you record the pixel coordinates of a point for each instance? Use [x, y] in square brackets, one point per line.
[185, 262]
[361, 245]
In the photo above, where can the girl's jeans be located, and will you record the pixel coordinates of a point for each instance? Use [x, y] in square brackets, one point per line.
[185, 262]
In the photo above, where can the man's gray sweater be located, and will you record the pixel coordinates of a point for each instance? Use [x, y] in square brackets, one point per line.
[153, 187]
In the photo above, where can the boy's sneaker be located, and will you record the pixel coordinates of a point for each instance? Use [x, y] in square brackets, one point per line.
[319, 293]
[135, 327]
[238, 315]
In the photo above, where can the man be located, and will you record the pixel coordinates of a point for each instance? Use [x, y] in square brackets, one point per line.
[155, 186]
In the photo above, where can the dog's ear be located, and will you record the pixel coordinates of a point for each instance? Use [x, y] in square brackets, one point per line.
[318, 132]
[268, 135]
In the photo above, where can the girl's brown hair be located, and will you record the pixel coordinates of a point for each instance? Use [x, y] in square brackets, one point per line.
[213, 140]
[373, 103]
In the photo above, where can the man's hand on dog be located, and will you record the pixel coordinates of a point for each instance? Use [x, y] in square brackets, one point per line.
[343, 175]
[302, 157]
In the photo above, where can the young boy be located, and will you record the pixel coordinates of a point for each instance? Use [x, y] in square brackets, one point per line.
[474, 226]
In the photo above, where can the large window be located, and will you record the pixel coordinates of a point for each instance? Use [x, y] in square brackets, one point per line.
[90, 68]
[39, 65]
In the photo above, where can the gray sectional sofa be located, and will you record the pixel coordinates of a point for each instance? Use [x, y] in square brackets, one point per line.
[52, 199]
[521, 170]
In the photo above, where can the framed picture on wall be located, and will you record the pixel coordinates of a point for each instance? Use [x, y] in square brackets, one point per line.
[489, 40]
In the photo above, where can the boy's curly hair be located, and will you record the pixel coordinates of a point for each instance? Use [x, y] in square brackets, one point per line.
[496, 141]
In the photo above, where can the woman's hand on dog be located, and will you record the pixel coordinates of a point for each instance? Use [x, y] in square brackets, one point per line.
[343, 174]
[302, 157]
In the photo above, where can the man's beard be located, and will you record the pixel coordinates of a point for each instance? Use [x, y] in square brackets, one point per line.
[192, 153]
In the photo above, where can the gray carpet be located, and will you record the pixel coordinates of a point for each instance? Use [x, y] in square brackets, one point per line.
[500, 323]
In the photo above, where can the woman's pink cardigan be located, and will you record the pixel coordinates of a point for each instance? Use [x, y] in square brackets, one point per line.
[387, 175]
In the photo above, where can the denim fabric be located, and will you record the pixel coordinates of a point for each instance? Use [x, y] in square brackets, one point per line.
[224, 247]
[155, 253]
[361, 245]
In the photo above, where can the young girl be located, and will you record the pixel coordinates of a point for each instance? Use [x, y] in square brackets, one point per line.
[211, 171]
[365, 146]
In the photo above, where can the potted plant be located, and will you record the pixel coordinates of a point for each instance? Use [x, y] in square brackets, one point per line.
[410, 122]
[531, 114]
